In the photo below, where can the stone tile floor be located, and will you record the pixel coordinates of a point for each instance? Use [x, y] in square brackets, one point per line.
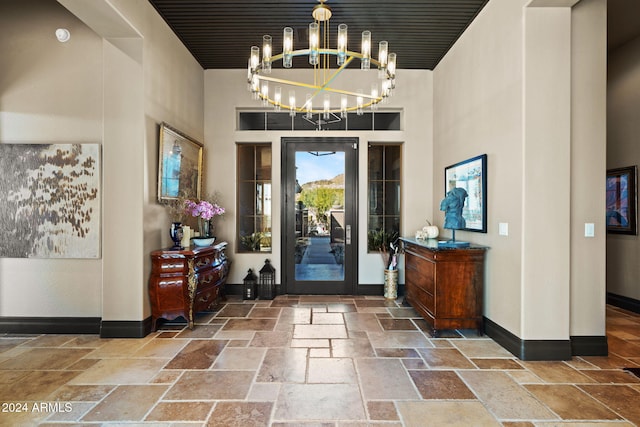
[315, 362]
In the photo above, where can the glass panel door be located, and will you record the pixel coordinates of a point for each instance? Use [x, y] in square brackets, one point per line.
[320, 237]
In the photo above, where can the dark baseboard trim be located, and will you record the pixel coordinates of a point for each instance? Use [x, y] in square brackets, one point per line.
[623, 302]
[589, 346]
[50, 325]
[528, 349]
[125, 329]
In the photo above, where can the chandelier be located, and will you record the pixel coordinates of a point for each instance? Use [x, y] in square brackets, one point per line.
[320, 55]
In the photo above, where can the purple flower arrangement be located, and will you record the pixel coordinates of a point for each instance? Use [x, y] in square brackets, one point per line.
[202, 209]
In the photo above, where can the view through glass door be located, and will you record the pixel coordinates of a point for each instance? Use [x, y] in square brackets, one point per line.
[319, 215]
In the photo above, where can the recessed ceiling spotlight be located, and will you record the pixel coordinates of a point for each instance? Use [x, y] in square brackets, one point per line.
[63, 35]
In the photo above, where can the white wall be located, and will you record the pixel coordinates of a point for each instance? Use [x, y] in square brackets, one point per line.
[120, 76]
[226, 90]
[478, 99]
[49, 95]
[513, 94]
[623, 128]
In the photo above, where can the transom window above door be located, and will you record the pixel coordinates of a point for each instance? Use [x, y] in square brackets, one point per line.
[282, 121]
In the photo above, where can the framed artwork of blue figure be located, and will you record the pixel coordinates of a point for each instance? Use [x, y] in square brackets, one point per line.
[465, 202]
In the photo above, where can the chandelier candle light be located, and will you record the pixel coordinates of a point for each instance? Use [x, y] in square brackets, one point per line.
[319, 55]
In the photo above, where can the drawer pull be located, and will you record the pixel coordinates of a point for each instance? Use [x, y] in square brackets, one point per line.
[203, 262]
[171, 266]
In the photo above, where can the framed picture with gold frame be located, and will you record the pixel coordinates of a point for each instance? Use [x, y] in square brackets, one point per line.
[179, 165]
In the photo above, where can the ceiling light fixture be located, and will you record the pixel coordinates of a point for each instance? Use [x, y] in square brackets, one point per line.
[319, 55]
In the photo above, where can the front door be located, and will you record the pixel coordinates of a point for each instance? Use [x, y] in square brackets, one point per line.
[320, 232]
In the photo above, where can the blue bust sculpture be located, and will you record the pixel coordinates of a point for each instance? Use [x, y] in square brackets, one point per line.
[452, 206]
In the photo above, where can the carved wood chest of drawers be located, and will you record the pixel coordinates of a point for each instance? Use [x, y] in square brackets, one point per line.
[184, 282]
[445, 285]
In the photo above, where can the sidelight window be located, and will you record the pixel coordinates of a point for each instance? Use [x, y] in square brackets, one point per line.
[384, 191]
[254, 197]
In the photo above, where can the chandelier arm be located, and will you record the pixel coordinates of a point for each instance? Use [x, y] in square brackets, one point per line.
[329, 80]
[332, 52]
[314, 87]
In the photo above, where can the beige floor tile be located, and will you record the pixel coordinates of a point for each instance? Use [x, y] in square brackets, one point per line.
[118, 348]
[268, 312]
[250, 325]
[319, 331]
[622, 399]
[284, 365]
[384, 379]
[480, 348]
[264, 392]
[121, 371]
[444, 413]
[50, 341]
[442, 385]
[310, 343]
[35, 385]
[399, 339]
[556, 372]
[362, 322]
[45, 358]
[271, 339]
[86, 393]
[212, 385]
[235, 358]
[126, 403]
[357, 346]
[197, 354]
[319, 402]
[241, 414]
[161, 348]
[445, 358]
[571, 403]
[382, 410]
[503, 364]
[504, 397]
[235, 310]
[327, 319]
[332, 370]
[180, 411]
[200, 331]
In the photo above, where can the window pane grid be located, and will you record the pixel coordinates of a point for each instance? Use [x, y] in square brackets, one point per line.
[254, 198]
[384, 195]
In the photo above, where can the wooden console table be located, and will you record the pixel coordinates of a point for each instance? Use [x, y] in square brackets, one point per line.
[184, 282]
[445, 285]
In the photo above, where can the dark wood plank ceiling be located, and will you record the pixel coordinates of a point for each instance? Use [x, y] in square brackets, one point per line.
[219, 33]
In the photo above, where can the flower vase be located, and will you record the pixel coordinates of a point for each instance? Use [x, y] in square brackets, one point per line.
[206, 238]
[176, 235]
[205, 227]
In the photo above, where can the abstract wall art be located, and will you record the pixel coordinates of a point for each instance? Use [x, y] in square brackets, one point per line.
[50, 200]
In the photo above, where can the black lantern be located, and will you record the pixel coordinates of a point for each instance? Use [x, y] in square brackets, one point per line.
[250, 282]
[267, 281]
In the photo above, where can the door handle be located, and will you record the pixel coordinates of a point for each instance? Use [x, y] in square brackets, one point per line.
[348, 235]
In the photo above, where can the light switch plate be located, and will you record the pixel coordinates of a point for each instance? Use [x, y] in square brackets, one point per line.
[503, 228]
[589, 229]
